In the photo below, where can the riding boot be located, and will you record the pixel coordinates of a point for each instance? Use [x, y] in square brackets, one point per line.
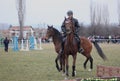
[62, 45]
[80, 50]
[62, 48]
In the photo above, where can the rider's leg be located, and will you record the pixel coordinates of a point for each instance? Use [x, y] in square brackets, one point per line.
[80, 50]
[62, 45]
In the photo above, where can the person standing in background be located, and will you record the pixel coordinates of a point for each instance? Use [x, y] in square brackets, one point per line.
[6, 43]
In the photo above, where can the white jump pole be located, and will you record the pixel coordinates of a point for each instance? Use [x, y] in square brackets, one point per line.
[22, 47]
[27, 47]
[35, 42]
[40, 46]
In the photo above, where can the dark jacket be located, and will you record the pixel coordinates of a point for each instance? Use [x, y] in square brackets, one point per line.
[76, 24]
[6, 42]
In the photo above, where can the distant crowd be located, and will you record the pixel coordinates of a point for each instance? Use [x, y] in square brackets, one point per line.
[102, 39]
[99, 39]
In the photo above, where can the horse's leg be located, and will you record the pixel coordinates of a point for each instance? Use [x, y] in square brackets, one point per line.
[67, 66]
[61, 62]
[63, 66]
[73, 67]
[91, 62]
[56, 61]
[86, 62]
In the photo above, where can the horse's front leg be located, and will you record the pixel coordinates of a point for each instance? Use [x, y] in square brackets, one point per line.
[61, 62]
[63, 66]
[56, 61]
[67, 66]
[73, 67]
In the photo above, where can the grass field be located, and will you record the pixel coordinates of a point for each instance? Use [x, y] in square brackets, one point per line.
[40, 66]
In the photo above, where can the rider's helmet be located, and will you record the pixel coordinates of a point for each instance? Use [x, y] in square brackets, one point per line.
[70, 12]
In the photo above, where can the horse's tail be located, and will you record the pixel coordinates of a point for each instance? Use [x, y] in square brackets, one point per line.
[99, 50]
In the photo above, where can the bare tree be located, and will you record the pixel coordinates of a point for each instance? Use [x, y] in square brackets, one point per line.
[105, 15]
[92, 13]
[101, 14]
[21, 15]
[99, 17]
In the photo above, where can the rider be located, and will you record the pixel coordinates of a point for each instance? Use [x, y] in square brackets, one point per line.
[76, 25]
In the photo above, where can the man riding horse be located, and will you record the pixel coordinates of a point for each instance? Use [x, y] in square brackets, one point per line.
[76, 25]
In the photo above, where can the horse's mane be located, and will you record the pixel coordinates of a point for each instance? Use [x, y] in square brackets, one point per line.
[57, 33]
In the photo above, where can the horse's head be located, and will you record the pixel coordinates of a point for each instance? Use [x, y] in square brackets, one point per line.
[68, 25]
[50, 32]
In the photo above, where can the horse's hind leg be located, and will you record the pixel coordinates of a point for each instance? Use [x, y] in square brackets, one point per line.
[86, 62]
[91, 62]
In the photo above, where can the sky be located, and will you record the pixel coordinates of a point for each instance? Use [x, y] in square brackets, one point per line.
[52, 12]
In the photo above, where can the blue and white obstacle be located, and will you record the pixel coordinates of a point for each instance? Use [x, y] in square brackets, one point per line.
[15, 43]
[29, 44]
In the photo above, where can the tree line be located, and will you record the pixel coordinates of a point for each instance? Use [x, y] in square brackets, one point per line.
[100, 21]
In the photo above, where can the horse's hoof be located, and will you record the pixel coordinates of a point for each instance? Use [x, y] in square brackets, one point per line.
[60, 69]
[89, 70]
[84, 68]
[74, 74]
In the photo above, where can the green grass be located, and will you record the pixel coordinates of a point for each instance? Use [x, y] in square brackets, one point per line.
[40, 66]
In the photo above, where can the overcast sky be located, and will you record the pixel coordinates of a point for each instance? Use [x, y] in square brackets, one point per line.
[52, 12]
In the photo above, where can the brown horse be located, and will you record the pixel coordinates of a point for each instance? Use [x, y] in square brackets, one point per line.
[85, 44]
[57, 40]
[70, 47]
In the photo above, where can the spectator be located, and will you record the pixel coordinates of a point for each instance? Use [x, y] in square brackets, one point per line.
[6, 42]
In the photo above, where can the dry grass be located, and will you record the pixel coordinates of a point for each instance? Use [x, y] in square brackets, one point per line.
[40, 66]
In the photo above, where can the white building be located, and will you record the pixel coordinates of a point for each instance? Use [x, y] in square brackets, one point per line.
[16, 30]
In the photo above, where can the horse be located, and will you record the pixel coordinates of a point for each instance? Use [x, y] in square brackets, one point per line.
[86, 44]
[70, 47]
[57, 40]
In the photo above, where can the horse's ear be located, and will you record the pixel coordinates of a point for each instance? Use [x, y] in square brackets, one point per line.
[48, 26]
[52, 26]
[65, 18]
